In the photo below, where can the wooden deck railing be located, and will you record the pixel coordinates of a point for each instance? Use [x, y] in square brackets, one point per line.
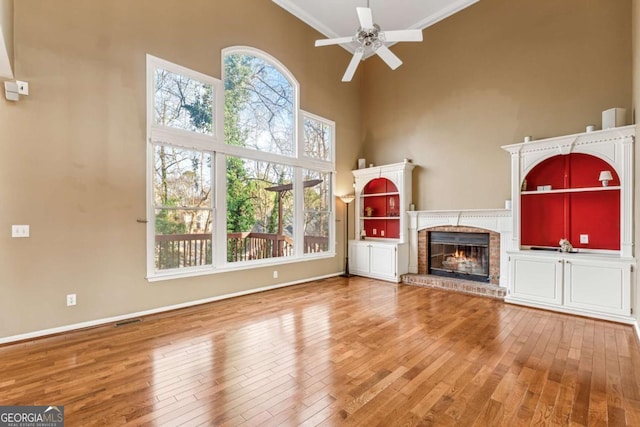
[250, 246]
[188, 250]
[182, 250]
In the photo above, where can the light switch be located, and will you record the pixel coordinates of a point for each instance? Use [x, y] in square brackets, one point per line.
[19, 231]
[584, 239]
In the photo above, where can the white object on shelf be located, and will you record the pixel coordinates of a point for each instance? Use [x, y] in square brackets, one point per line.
[605, 177]
[614, 117]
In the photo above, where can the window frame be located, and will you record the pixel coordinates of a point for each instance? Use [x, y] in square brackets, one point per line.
[217, 147]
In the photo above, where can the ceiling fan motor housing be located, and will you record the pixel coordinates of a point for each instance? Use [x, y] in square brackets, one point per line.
[368, 37]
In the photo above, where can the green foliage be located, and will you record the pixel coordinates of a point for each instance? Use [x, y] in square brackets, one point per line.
[272, 219]
[236, 91]
[169, 222]
[240, 208]
[200, 110]
[240, 189]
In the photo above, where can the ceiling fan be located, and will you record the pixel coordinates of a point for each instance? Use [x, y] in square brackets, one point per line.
[372, 39]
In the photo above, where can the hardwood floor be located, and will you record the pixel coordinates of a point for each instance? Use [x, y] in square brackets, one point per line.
[336, 352]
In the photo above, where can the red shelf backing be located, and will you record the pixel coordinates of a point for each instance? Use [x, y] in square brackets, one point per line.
[547, 218]
[384, 205]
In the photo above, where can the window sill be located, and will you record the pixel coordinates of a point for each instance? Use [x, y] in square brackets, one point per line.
[229, 268]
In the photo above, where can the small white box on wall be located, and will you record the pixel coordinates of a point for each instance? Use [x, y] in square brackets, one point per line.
[614, 117]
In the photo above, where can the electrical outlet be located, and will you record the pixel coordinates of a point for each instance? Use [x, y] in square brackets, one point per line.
[381, 233]
[275, 274]
[19, 231]
[23, 87]
[71, 300]
[375, 231]
[584, 239]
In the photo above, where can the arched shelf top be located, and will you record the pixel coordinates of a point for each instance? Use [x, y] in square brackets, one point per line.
[569, 171]
[379, 186]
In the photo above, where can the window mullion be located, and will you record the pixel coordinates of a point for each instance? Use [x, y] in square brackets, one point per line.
[298, 222]
[151, 212]
[220, 211]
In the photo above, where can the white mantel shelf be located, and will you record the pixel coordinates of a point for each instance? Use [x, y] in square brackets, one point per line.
[497, 220]
[491, 219]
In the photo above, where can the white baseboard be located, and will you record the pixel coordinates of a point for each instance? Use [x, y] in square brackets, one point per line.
[98, 322]
[569, 310]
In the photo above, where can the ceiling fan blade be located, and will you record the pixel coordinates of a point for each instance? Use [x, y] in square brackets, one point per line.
[389, 57]
[401, 36]
[338, 40]
[365, 17]
[353, 65]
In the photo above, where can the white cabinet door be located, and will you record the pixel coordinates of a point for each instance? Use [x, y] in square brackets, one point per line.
[382, 260]
[378, 260]
[358, 257]
[537, 279]
[598, 286]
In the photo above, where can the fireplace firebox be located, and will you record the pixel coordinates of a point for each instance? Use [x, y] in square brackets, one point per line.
[459, 254]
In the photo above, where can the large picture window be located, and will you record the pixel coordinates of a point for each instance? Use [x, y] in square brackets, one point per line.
[240, 182]
[260, 210]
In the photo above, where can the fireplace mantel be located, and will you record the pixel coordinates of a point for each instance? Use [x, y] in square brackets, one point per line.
[497, 220]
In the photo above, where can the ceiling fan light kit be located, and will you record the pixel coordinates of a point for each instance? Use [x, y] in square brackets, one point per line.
[372, 39]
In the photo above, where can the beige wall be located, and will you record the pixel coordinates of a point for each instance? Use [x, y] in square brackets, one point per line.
[486, 77]
[72, 157]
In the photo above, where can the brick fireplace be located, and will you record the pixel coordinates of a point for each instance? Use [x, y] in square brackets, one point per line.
[496, 223]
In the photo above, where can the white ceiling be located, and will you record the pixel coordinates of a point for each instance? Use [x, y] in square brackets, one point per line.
[337, 18]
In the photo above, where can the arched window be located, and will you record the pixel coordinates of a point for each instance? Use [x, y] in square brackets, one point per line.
[247, 180]
[261, 102]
